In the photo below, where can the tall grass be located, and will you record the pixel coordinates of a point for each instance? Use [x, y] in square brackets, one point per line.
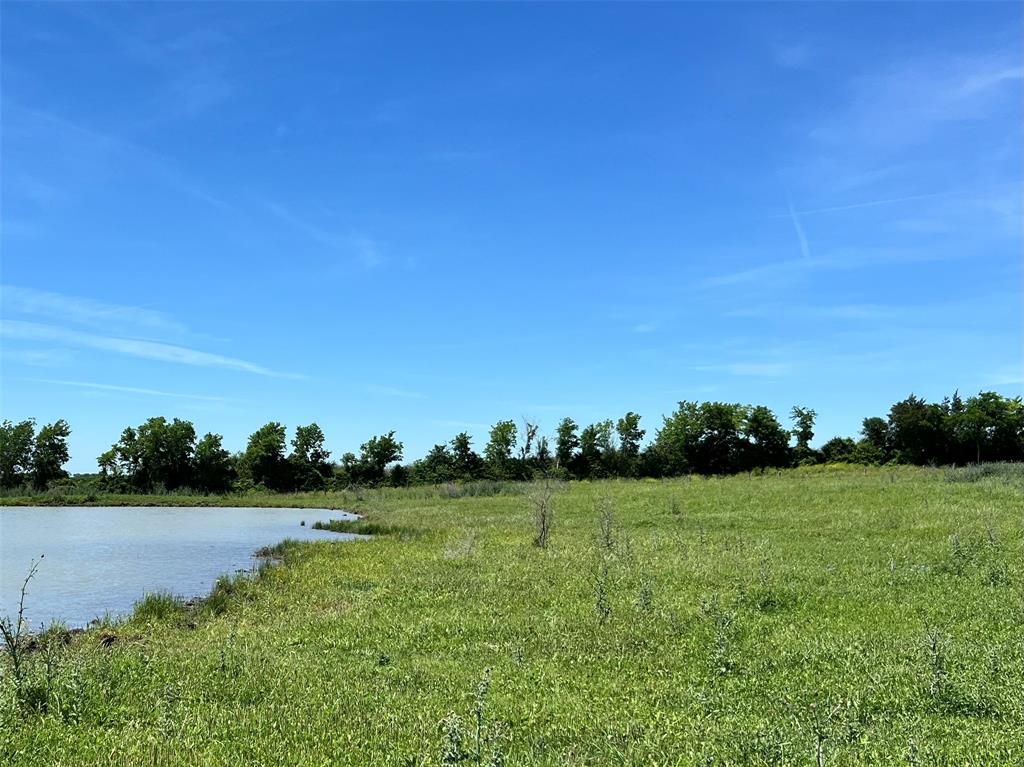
[866, 617]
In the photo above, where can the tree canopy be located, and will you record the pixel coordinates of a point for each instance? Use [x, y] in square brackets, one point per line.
[696, 438]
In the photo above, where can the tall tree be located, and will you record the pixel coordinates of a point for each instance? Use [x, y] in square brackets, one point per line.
[876, 431]
[435, 467]
[214, 469]
[720, 446]
[803, 431]
[157, 453]
[309, 458]
[917, 431]
[16, 440]
[263, 462]
[768, 441]
[630, 436]
[376, 454]
[50, 453]
[597, 450]
[990, 426]
[119, 465]
[498, 452]
[567, 442]
[466, 463]
[675, 443]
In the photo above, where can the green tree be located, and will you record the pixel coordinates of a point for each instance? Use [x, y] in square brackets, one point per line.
[376, 454]
[597, 450]
[309, 458]
[347, 471]
[676, 441]
[50, 453]
[839, 450]
[119, 466]
[167, 451]
[867, 452]
[803, 431]
[720, 446]
[435, 467]
[990, 426]
[630, 436]
[263, 462]
[917, 431]
[498, 452]
[876, 431]
[157, 453]
[213, 465]
[16, 441]
[567, 442]
[466, 463]
[768, 441]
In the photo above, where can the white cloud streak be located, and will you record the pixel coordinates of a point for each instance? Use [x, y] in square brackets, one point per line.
[391, 391]
[151, 350]
[364, 249]
[805, 251]
[126, 389]
[752, 369]
[86, 311]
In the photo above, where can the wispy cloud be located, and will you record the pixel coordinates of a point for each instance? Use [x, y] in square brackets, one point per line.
[367, 251]
[189, 66]
[465, 425]
[360, 247]
[869, 203]
[753, 369]
[864, 312]
[126, 389]
[152, 350]
[40, 358]
[840, 260]
[907, 102]
[645, 327]
[873, 203]
[805, 251]
[391, 391]
[1008, 376]
[87, 311]
[94, 149]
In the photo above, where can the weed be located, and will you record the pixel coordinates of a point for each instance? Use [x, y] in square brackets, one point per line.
[542, 497]
[646, 599]
[16, 644]
[674, 508]
[938, 681]
[959, 555]
[606, 536]
[485, 746]
[721, 622]
[602, 587]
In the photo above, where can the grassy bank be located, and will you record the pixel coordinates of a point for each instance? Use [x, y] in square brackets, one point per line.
[255, 498]
[833, 617]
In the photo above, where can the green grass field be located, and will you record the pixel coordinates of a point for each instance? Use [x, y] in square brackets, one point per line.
[835, 617]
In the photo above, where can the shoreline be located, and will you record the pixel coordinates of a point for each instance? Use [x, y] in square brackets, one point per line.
[262, 557]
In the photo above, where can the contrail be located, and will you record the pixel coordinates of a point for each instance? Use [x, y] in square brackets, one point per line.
[892, 200]
[873, 203]
[800, 233]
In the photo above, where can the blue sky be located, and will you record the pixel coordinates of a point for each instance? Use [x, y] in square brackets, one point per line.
[430, 217]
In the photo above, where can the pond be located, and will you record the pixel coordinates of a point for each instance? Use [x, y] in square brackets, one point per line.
[101, 560]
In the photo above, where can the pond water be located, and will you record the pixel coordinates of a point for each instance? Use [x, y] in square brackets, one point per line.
[101, 560]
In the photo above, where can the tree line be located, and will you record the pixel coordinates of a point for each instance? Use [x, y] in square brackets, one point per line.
[697, 438]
